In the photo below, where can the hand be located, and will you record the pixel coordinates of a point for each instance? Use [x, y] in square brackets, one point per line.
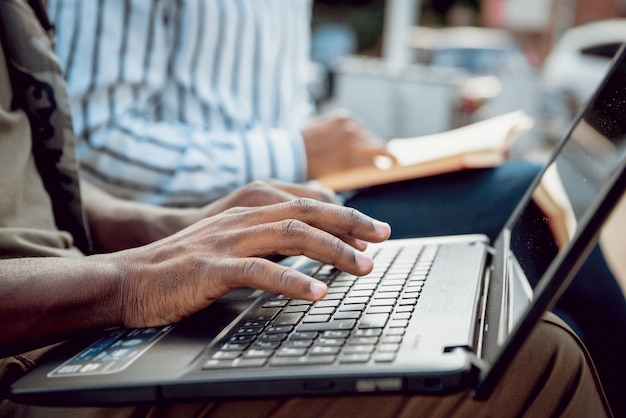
[172, 278]
[338, 143]
[118, 224]
[261, 193]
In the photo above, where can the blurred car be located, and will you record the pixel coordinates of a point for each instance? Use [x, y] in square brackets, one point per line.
[477, 50]
[574, 68]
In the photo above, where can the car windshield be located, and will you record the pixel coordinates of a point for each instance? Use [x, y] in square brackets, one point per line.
[607, 51]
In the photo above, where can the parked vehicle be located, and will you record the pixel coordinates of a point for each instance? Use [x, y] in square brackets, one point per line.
[573, 69]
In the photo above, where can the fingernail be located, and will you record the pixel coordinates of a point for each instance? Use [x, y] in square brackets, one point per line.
[359, 243]
[382, 227]
[363, 260]
[318, 289]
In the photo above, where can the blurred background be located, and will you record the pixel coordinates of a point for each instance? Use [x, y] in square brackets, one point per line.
[414, 67]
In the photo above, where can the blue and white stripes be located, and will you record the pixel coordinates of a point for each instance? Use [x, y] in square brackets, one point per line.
[177, 102]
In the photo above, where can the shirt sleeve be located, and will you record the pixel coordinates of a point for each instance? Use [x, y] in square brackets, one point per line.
[171, 163]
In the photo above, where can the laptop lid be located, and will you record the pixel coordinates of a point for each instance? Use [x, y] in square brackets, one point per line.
[575, 193]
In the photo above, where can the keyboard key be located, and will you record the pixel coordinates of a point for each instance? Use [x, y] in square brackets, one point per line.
[279, 329]
[296, 309]
[383, 302]
[234, 346]
[342, 289]
[239, 362]
[326, 304]
[256, 323]
[323, 350]
[266, 345]
[288, 319]
[387, 348]
[380, 309]
[241, 338]
[384, 357]
[226, 355]
[360, 300]
[336, 334]
[300, 335]
[371, 332]
[333, 325]
[307, 360]
[358, 349]
[409, 301]
[330, 342]
[249, 331]
[315, 318]
[352, 307]
[354, 358]
[363, 341]
[275, 303]
[401, 315]
[279, 336]
[265, 314]
[373, 321]
[399, 323]
[347, 315]
[298, 343]
[321, 311]
[360, 293]
[300, 302]
[291, 352]
[381, 294]
[364, 286]
[256, 353]
[391, 339]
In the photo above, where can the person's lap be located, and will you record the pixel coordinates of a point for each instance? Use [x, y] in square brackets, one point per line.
[551, 376]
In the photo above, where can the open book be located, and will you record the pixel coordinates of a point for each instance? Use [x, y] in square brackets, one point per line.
[478, 145]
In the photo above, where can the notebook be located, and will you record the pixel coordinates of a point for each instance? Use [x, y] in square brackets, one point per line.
[436, 315]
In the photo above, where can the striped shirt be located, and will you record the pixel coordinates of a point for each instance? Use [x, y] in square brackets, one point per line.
[178, 102]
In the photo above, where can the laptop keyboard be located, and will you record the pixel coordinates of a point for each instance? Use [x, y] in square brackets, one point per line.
[361, 319]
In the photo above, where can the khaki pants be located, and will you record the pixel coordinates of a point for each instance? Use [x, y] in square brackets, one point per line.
[552, 375]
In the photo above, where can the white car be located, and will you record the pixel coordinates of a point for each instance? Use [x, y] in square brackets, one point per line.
[575, 67]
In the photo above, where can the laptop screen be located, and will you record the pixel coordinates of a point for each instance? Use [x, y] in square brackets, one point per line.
[570, 199]
[573, 181]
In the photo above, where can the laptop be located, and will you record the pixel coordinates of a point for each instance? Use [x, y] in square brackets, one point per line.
[436, 315]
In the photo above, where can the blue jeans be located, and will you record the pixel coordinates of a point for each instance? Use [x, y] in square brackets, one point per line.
[481, 201]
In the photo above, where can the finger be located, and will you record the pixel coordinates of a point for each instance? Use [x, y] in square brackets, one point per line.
[355, 243]
[335, 219]
[293, 237]
[262, 274]
[259, 193]
[311, 190]
[372, 147]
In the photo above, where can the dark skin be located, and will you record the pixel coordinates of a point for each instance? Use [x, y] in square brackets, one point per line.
[179, 261]
[337, 143]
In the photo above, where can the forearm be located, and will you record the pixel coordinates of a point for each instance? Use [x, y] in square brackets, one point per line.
[118, 224]
[43, 300]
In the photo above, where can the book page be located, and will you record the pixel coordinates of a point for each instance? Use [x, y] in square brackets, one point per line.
[493, 134]
[479, 145]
